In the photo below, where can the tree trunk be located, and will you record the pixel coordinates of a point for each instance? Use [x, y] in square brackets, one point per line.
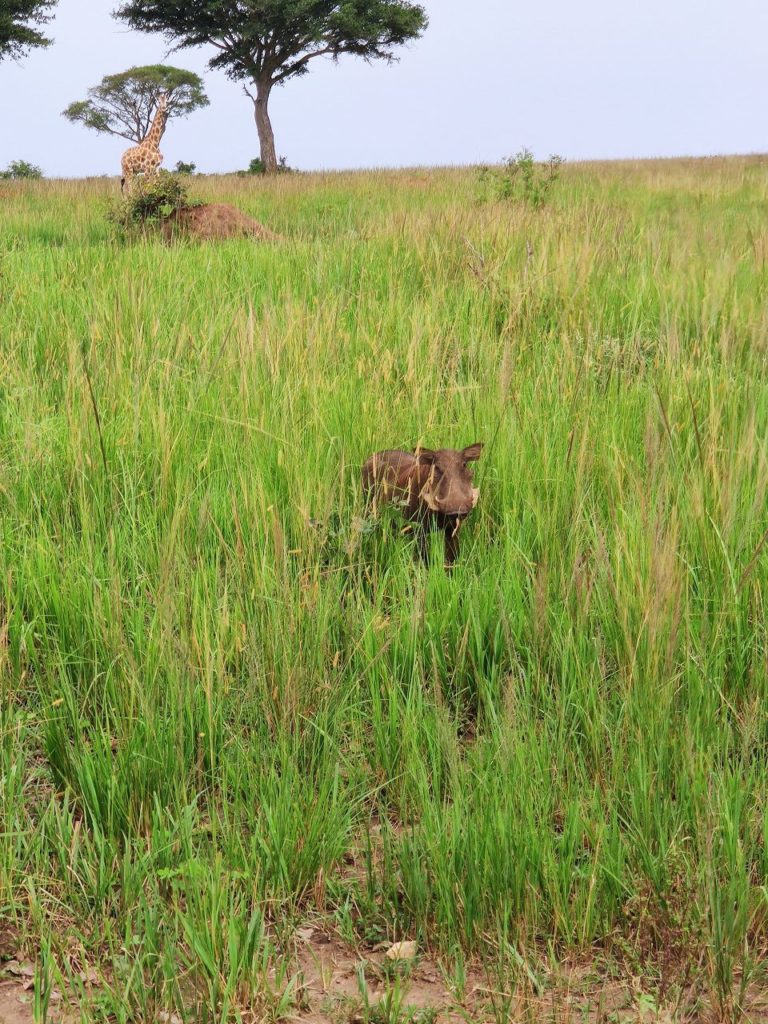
[264, 127]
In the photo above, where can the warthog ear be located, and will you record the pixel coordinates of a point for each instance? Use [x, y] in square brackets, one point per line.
[425, 455]
[472, 452]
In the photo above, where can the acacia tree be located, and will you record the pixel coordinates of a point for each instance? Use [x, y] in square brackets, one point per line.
[125, 104]
[267, 42]
[17, 18]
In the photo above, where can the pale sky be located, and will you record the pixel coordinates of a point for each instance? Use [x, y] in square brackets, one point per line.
[590, 79]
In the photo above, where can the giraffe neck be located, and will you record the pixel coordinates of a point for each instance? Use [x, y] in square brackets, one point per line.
[155, 133]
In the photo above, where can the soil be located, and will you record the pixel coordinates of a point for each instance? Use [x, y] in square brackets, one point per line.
[16, 1005]
[329, 992]
[334, 980]
[214, 222]
[580, 993]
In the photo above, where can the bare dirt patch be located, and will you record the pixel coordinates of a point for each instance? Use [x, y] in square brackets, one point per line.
[15, 1004]
[336, 980]
[17, 1001]
[215, 222]
[337, 983]
[333, 976]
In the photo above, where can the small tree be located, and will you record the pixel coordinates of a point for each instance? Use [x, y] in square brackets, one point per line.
[182, 167]
[21, 169]
[268, 42]
[256, 166]
[125, 104]
[17, 18]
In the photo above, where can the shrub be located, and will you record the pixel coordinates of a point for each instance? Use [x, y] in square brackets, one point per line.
[21, 169]
[150, 200]
[185, 168]
[521, 178]
[257, 167]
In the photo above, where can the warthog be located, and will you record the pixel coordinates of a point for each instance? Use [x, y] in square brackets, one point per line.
[433, 488]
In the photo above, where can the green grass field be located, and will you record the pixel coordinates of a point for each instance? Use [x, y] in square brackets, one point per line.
[237, 713]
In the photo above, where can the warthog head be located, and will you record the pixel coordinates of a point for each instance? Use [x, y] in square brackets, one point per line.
[448, 489]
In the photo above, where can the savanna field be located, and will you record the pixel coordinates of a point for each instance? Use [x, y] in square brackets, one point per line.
[248, 742]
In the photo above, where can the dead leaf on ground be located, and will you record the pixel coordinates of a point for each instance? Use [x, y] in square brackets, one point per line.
[402, 951]
[26, 969]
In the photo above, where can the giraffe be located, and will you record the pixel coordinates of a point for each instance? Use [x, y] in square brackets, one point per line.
[146, 157]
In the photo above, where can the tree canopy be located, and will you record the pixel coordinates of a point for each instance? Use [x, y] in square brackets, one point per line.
[268, 42]
[124, 104]
[18, 19]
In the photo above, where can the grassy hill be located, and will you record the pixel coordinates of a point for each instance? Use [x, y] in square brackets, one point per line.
[241, 726]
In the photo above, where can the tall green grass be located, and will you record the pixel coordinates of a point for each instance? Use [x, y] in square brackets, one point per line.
[220, 681]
